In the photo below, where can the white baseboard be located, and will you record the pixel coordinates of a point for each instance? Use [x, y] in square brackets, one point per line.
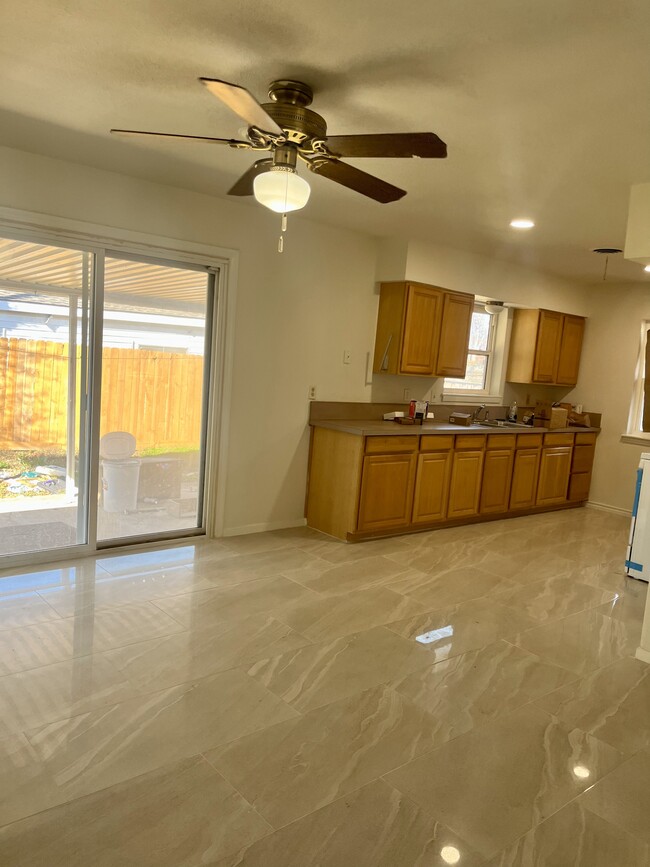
[603, 507]
[643, 655]
[263, 528]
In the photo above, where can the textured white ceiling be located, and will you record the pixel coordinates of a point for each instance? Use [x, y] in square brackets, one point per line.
[544, 106]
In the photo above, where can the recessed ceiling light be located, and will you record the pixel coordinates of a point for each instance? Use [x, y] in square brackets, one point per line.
[647, 268]
[522, 224]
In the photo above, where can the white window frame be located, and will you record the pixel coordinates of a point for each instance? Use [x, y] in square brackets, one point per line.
[635, 434]
[496, 368]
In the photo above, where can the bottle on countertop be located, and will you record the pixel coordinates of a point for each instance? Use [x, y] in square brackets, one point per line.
[512, 412]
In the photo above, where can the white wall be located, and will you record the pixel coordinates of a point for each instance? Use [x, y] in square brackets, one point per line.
[503, 281]
[296, 312]
[606, 381]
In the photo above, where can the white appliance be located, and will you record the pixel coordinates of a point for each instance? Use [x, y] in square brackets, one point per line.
[637, 562]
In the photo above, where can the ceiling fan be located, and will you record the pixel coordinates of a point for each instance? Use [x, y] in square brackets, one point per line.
[288, 131]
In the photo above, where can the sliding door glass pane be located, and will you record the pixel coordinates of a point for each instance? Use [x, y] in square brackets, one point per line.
[153, 369]
[44, 315]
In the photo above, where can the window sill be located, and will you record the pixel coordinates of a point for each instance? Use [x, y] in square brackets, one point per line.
[463, 397]
[636, 439]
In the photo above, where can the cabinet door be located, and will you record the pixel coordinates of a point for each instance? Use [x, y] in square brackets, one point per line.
[497, 477]
[386, 491]
[524, 478]
[554, 475]
[454, 335]
[421, 330]
[570, 350]
[547, 349]
[465, 488]
[579, 487]
[432, 487]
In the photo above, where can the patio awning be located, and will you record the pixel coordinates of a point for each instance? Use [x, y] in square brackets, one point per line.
[36, 270]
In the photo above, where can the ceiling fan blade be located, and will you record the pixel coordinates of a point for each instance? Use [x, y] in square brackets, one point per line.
[355, 179]
[243, 103]
[392, 144]
[244, 186]
[128, 133]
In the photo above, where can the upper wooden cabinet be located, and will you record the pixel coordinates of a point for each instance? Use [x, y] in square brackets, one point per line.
[454, 334]
[422, 330]
[570, 349]
[545, 347]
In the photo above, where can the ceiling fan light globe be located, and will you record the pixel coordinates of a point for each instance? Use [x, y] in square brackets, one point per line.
[494, 308]
[281, 190]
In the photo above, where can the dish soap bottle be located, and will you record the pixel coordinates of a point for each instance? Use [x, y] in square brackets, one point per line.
[512, 412]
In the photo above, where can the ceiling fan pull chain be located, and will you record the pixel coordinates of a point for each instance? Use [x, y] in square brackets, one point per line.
[283, 230]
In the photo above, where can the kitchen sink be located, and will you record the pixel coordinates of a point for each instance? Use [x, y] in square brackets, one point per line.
[500, 424]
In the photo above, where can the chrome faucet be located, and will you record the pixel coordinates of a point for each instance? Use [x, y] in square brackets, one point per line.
[477, 412]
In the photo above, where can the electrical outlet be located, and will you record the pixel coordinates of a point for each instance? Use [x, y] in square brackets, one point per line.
[407, 394]
[346, 356]
[312, 392]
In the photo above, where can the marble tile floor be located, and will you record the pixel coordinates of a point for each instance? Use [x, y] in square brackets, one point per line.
[468, 696]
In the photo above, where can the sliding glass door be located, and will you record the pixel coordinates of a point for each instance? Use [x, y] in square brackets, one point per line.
[104, 365]
[45, 311]
[154, 370]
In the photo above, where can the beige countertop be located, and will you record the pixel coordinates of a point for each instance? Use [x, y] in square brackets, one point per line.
[371, 428]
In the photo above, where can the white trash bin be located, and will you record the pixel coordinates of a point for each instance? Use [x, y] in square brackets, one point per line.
[120, 472]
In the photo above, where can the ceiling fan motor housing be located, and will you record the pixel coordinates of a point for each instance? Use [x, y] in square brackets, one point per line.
[289, 110]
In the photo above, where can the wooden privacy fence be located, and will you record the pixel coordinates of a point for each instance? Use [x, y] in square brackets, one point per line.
[156, 396]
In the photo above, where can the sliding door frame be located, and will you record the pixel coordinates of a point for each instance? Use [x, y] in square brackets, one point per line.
[221, 266]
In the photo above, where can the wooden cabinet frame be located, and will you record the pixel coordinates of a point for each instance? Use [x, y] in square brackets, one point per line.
[545, 347]
[422, 330]
[365, 487]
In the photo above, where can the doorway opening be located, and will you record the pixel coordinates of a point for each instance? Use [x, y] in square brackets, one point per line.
[104, 372]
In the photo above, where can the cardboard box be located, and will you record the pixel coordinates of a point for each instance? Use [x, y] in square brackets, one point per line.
[549, 416]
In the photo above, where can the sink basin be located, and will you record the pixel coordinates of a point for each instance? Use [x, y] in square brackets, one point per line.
[500, 424]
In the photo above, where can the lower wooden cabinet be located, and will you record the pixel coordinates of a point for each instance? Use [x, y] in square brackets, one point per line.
[554, 472]
[579, 485]
[465, 488]
[581, 466]
[360, 487]
[497, 478]
[432, 487]
[386, 497]
[524, 478]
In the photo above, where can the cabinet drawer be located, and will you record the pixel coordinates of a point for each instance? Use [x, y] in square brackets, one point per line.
[501, 441]
[583, 458]
[558, 439]
[386, 445]
[529, 441]
[470, 441]
[585, 439]
[433, 443]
